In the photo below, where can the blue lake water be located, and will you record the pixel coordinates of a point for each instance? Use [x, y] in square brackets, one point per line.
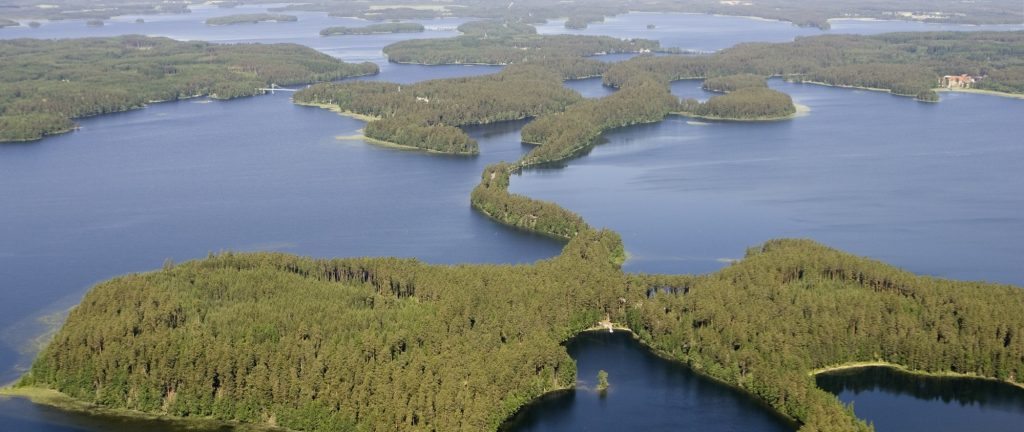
[933, 188]
[699, 32]
[894, 401]
[920, 185]
[645, 393]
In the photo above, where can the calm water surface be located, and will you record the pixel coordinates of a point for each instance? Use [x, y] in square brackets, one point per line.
[646, 393]
[698, 32]
[923, 186]
[897, 401]
[934, 188]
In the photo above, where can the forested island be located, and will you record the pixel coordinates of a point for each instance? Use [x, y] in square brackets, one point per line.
[502, 43]
[744, 104]
[250, 19]
[427, 115]
[4, 22]
[45, 84]
[373, 29]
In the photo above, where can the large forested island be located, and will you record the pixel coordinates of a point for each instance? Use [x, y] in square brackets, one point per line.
[45, 84]
[506, 42]
[373, 29]
[250, 19]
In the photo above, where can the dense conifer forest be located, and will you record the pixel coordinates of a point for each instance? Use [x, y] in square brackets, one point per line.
[728, 83]
[750, 103]
[373, 29]
[384, 344]
[392, 344]
[44, 84]
[426, 115]
[904, 63]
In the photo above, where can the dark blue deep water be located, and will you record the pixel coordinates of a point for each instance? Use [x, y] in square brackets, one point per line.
[645, 393]
[898, 401]
[933, 188]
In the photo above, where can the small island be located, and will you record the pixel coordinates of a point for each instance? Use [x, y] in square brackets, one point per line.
[94, 23]
[250, 19]
[4, 22]
[374, 29]
[580, 22]
[744, 104]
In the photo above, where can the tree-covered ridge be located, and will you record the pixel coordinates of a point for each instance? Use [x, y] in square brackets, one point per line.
[374, 29]
[250, 19]
[393, 344]
[46, 83]
[492, 198]
[728, 83]
[793, 306]
[502, 43]
[427, 115]
[908, 64]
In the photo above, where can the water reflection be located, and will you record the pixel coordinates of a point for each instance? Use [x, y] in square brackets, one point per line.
[646, 393]
[896, 400]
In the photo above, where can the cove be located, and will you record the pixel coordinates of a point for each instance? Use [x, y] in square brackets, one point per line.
[646, 393]
[896, 401]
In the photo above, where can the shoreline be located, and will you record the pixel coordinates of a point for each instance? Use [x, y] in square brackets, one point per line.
[337, 110]
[982, 92]
[904, 369]
[937, 90]
[55, 399]
[669, 358]
[801, 111]
[370, 140]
